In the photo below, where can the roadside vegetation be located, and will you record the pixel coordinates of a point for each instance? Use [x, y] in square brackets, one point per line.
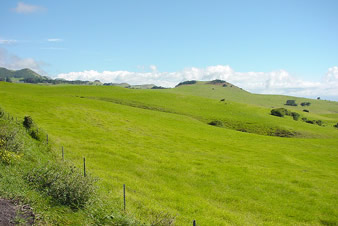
[57, 191]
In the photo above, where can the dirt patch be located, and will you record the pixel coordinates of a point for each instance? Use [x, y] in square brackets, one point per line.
[12, 213]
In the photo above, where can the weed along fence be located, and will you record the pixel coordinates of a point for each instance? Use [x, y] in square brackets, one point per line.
[40, 135]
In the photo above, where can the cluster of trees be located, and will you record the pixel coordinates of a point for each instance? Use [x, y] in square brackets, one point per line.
[281, 112]
[216, 81]
[186, 83]
[291, 103]
[7, 79]
[318, 122]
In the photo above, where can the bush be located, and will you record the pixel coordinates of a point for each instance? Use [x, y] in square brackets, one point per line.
[295, 115]
[311, 121]
[11, 143]
[8, 157]
[283, 133]
[305, 104]
[306, 110]
[304, 119]
[319, 122]
[27, 122]
[65, 184]
[10, 138]
[280, 112]
[2, 113]
[216, 123]
[291, 103]
[34, 133]
[336, 125]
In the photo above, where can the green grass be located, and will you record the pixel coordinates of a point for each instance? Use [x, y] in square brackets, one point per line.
[159, 144]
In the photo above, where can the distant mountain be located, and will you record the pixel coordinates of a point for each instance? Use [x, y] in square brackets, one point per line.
[24, 75]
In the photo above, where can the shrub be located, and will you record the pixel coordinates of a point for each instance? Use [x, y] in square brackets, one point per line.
[283, 133]
[27, 122]
[280, 112]
[304, 119]
[8, 157]
[336, 125]
[291, 103]
[10, 138]
[216, 123]
[64, 183]
[311, 121]
[305, 104]
[306, 110]
[2, 112]
[34, 133]
[319, 122]
[222, 100]
[295, 115]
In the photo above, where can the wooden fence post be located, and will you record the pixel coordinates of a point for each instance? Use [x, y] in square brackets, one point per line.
[84, 166]
[124, 197]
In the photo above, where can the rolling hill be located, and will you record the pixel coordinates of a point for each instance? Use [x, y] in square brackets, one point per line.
[159, 142]
[23, 74]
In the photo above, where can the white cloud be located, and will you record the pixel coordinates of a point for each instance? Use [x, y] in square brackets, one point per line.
[13, 62]
[8, 41]
[27, 8]
[275, 82]
[55, 40]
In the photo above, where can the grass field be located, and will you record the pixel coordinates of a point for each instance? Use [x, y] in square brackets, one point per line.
[159, 143]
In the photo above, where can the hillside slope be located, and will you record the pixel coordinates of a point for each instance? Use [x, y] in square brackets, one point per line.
[173, 163]
[235, 94]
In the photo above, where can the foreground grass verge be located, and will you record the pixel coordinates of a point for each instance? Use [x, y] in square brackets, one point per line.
[30, 173]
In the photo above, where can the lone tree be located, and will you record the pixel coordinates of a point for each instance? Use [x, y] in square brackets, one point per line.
[291, 103]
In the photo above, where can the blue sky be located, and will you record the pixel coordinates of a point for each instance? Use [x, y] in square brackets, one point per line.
[60, 37]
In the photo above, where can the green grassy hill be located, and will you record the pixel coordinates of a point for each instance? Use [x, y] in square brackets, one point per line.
[159, 143]
[235, 94]
[20, 74]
